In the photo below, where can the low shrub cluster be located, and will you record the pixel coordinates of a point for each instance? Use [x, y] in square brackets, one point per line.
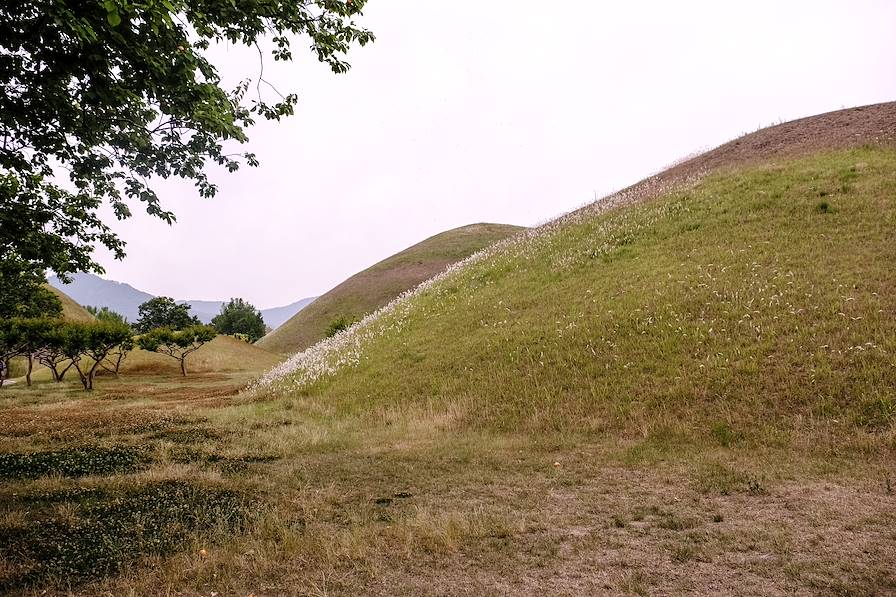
[103, 529]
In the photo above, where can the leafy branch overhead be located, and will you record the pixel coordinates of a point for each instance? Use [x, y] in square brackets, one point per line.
[112, 93]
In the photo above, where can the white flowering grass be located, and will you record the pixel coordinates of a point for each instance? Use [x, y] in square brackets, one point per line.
[733, 290]
[346, 348]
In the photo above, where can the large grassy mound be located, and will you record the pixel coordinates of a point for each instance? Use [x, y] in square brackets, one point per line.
[372, 288]
[71, 310]
[759, 295]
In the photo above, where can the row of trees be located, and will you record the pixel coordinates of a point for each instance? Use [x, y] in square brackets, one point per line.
[87, 348]
[237, 318]
[64, 345]
[36, 333]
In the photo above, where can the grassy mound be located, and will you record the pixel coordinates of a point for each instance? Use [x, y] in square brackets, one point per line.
[71, 310]
[372, 288]
[224, 353]
[753, 297]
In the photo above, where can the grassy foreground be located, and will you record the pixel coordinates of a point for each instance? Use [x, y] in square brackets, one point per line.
[695, 394]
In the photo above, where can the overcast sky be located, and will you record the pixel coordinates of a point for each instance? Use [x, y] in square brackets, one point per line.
[509, 111]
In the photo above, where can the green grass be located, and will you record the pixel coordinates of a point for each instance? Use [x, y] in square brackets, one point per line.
[707, 314]
[372, 288]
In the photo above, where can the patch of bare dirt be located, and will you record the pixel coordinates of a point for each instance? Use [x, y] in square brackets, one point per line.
[641, 532]
[843, 129]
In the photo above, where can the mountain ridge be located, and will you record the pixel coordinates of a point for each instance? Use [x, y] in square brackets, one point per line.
[121, 297]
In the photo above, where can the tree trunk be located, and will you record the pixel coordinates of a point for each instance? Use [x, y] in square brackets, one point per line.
[91, 373]
[183, 367]
[28, 374]
[82, 376]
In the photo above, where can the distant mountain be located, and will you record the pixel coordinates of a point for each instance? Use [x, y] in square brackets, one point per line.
[277, 316]
[205, 310]
[88, 289]
[273, 317]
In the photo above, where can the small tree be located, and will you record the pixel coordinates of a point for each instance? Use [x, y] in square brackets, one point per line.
[239, 317]
[52, 353]
[35, 334]
[342, 322]
[163, 312]
[95, 341]
[106, 314]
[117, 356]
[12, 344]
[177, 344]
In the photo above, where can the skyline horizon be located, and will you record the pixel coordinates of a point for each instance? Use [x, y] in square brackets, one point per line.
[596, 197]
[514, 117]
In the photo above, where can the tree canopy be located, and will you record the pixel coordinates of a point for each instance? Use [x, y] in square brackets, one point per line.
[28, 297]
[106, 314]
[163, 312]
[240, 317]
[101, 96]
[177, 344]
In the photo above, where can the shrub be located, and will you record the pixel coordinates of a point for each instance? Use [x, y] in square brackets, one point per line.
[342, 322]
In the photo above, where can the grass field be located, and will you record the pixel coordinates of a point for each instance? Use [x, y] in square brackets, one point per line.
[691, 394]
[372, 288]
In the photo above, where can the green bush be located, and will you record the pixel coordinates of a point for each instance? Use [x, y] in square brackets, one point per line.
[342, 322]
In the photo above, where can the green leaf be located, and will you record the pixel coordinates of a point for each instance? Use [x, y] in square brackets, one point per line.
[113, 17]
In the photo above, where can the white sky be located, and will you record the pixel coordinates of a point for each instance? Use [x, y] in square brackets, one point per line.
[509, 111]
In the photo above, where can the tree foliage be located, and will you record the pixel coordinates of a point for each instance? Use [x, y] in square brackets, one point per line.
[24, 293]
[54, 342]
[106, 314]
[163, 312]
[101, 96]
[240, 317]
[177, 344]
[340, 323]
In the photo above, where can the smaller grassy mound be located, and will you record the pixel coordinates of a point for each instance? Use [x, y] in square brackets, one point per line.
[376, 286]
[223, 354]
